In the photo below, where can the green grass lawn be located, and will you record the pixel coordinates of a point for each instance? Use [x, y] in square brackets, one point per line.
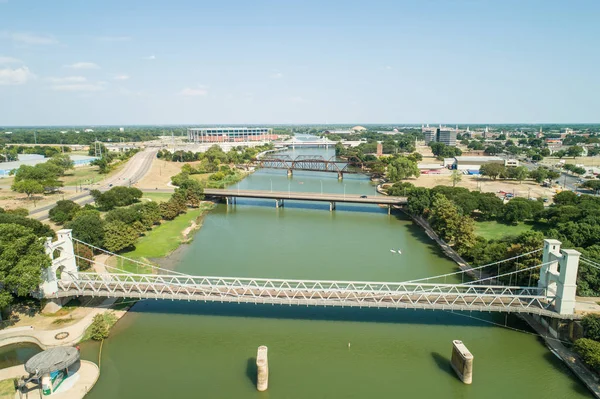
[159, 242]
[157, 197]
[494, 230]
[7, 389]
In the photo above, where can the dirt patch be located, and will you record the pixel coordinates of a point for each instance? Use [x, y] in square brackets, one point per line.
[160, 174]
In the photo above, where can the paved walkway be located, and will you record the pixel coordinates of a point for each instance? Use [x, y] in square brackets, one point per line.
[572, 361]
[74, 387]
[47, 338]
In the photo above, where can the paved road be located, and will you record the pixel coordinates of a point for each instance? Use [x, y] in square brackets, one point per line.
[134, 170]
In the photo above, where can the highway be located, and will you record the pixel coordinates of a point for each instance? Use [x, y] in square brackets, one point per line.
[134, 170]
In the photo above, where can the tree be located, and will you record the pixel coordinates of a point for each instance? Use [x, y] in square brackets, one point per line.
[574, 151]
[84, 257]
[519, 173]
[99, 328]
[28, 187]
[63, 161]
[517, 210]
[456, 177]
[539, 175]
[560, 154]
[404, 168]
[445, 217]
[593, 185]
[116, 196]
[566, 198]
[118, 235]
[38, 228]
[88, 227]
[492, 170]
[419, 201]
[22, 259]
[489, 206]
[591, 325]
[64, 211]
[589, 350]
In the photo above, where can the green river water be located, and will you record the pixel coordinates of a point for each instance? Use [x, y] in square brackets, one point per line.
[164, 349]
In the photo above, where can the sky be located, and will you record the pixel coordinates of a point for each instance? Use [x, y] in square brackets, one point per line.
[115, 62]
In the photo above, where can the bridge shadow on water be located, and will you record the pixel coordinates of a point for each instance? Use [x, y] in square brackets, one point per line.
[317, 313]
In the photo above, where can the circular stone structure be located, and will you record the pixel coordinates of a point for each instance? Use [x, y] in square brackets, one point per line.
[52, 360]
[61, 335]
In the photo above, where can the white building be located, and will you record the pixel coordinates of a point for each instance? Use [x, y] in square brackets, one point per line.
[230, 134]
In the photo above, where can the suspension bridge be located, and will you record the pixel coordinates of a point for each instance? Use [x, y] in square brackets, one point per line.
[552, 296]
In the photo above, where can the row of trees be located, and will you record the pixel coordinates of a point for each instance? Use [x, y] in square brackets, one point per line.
[215, 155]
[126, 219]
[520, 173]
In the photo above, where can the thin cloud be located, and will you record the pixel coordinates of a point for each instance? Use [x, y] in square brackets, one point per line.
[68, 79]
[112, 39]
[29, 38]
[191, 92]
[17, 76]
[150, 57]
[79, 87]
[277, 75]
[83, 65]
[298, 100]
[9, 60]
[121, 77]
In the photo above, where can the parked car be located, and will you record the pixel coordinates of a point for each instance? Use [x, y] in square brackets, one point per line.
[363, 196]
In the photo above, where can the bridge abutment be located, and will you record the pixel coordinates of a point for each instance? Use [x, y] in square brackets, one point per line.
[462, 361]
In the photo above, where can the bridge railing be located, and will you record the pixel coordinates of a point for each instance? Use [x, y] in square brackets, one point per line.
[318, 292]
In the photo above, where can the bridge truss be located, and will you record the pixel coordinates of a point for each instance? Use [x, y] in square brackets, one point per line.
[313, 163]
[458, 297]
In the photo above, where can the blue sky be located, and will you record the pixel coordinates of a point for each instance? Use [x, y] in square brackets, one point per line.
[251, 62]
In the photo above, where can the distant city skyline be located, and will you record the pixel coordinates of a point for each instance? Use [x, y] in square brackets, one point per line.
[98, 63]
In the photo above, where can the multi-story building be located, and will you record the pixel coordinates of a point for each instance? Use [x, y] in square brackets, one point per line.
[440, 134]
[447, 136]
[230, 134]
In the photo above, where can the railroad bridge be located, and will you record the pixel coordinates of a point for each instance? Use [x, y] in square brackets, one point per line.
[552, 296]
[312, 163]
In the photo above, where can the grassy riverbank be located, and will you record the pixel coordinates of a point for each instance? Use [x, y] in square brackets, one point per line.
[162, 240]
[7, 389]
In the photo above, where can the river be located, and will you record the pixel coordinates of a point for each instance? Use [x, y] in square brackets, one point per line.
[164, 349]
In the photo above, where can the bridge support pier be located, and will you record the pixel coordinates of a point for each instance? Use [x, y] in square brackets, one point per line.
[331, 206]
[290, 172]
[340, 176]
[462, 361]
[389, 209]
[231, 200]
[262, 369]
[278, 203]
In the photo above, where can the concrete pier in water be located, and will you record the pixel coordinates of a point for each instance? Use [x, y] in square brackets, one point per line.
[262, 369]
[462, 361]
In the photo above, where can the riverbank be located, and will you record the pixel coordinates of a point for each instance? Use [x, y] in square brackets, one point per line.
[76, 386]
[163, 240]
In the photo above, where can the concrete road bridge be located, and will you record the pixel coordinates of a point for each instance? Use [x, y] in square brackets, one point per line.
[553, 296]
[230, 196]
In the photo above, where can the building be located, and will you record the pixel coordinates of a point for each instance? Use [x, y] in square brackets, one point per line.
[440, 134]
[430, 134]
[447, 136]
[230, 134]
[358, 129]
[339, 132]
[474, 163]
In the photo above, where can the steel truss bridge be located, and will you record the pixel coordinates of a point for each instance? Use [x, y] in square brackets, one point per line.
[312, 163]
[453, 297]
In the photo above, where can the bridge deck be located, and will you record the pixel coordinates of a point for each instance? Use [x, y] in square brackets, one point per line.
[456, 297]
[349, 198]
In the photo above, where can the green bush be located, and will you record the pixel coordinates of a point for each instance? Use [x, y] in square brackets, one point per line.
[589, 350]
[99, 328]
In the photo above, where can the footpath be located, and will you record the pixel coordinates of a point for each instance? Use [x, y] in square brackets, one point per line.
[74, 387]
[46, 339]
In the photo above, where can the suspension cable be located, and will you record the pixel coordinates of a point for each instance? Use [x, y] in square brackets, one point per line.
[590, 263]
[131, 260]
[509, 273]
[474, 268]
